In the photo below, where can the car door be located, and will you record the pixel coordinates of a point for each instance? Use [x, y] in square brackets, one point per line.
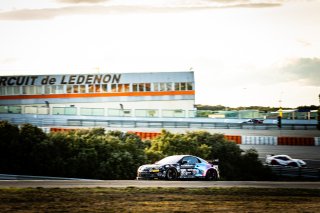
[188, 165]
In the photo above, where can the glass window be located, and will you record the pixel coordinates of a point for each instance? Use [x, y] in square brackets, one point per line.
[98, 112]
[2, 91]
[126, 87]
[47, 89]
[155, 86]
[14, 109]
[141, 87]
[69, 89]
[134, 87]
[183, 86]
[191, 160]
[16, 90]
[120, 88]
[9, 90]
[162, 87]
[58, 111]
[38, 89]
[148, 87]
[91, 88]
[146, 113]
[82, 88]
[189, 86]
[97, 88]
[169, 86]
[176, 86]
[113, 88]
[75, 88]
[104, 88]
[28, 90]
[3, 109]
[70, 111]
[60, 89]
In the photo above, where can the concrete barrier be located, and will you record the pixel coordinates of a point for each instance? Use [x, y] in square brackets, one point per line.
[259, 140]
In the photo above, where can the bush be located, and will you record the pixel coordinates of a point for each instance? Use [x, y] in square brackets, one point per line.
[98, 154]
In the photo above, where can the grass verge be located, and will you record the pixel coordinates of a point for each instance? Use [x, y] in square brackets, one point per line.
[133, 199]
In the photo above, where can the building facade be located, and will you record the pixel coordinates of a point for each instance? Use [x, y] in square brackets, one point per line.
[160, 94]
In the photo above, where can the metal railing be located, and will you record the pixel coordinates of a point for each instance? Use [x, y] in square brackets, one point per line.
[137, 122]
[296, 172]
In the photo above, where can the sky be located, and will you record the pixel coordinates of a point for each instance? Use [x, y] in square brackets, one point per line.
[242, 52]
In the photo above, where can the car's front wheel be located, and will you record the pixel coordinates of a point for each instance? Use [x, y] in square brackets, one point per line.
[171, 174]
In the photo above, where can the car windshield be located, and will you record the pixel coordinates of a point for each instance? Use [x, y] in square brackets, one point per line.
[170, 159]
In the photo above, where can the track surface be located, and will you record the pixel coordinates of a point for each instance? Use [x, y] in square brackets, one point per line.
[154, 183]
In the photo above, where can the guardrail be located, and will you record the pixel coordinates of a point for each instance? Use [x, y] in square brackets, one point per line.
[29, 177]
[121, 122]
[296, 172]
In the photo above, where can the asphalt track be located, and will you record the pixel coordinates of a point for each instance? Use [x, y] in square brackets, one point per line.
[152, 183]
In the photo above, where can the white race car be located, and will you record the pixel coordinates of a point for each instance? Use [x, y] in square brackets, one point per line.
[284, 160]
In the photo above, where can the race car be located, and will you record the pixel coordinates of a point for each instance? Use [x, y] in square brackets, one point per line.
[179, 167]
[284, 160]
[253, 121]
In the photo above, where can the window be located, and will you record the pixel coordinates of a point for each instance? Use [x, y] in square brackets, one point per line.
[126, 87]
[190, 160]
[38, 89]
[47, 89]
[104, 88]
[2, 91]
[28, 90]
[169, 86]
[162, 86]
[183, 86]
[134, 87]
[155, 86]
[82, 88]
[148, 87]
[60, 89]
[16, 90]
[75, 88]
[9, 90]
[176, 86]
[120, 88]
[91, 88]
[97, 88]
[141, 87]
[69, 89]
[189, 86]
[113, 88]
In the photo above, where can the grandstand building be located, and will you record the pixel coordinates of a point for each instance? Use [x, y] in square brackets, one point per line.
[160, 94]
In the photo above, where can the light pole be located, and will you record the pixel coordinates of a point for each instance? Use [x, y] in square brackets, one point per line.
[318, 117]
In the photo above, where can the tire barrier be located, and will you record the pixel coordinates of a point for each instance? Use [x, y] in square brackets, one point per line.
[234, 138]
[296, 141]
[259, 140]
[57, 129]
[146, 135]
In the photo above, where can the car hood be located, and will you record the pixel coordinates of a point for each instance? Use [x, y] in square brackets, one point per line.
[148, 167]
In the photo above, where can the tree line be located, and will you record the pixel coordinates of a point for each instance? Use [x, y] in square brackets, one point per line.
[97, 154]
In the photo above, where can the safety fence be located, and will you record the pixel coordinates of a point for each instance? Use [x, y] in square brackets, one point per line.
[296, 172]
[238, 139]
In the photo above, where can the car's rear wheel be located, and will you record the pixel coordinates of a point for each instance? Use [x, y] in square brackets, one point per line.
[171, 174]
[211, 175]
